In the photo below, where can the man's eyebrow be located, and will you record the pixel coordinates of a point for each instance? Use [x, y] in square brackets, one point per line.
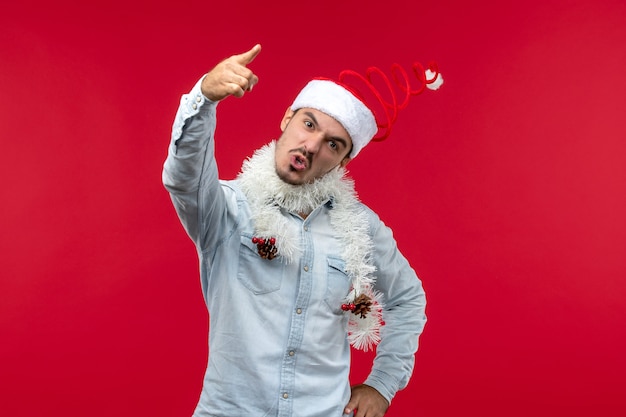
[308, 113]
[335, 138]
[343, 142]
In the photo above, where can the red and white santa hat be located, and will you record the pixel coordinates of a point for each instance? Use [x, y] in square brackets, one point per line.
[366, 114]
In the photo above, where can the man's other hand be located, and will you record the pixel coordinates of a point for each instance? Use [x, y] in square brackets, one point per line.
[366, 402]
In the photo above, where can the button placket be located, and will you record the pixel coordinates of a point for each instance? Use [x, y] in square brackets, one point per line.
[303, 295]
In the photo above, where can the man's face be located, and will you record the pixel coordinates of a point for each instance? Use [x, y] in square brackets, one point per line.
[312, 144]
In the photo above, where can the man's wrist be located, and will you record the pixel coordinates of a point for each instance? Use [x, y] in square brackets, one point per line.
[380, 382]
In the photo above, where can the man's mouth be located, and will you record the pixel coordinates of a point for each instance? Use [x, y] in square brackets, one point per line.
[299, 162]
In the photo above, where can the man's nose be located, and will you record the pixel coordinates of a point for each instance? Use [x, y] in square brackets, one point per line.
[313, 143]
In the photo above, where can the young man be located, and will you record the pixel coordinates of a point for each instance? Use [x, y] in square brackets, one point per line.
[293, 267]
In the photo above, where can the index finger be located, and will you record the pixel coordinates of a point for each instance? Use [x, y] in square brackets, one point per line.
[247, 57]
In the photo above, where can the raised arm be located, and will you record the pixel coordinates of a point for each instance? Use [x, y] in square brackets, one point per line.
[190, 171]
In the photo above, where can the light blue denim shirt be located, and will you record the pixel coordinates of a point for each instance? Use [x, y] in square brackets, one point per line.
[277, 335]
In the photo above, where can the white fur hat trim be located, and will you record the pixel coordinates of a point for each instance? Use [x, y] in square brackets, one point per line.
[340, 104]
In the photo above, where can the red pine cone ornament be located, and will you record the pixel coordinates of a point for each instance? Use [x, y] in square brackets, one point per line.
[266, 247]
[361, 306]
[366, 320]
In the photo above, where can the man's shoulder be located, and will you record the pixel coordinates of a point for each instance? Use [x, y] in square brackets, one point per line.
[372, 215]
[235, 197]
[232, 186]
[373, 219]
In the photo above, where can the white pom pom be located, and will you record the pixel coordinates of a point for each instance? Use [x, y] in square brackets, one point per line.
[435, 84]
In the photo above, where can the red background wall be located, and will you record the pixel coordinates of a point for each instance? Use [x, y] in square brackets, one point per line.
[506, 190]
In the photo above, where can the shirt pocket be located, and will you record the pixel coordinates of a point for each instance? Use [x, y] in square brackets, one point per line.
[260, 276]
[337, 284]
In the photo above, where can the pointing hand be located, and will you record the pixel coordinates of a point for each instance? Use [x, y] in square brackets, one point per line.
[231, 76]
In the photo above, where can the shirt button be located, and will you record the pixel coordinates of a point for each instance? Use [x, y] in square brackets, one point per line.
[306, 228]
[195, 106]
[306, 268]
[285, 395]
[291, 353]
[198, 99]
[299, 311]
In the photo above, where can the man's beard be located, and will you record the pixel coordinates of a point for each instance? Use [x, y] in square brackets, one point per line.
[263, 178]
[286, 179]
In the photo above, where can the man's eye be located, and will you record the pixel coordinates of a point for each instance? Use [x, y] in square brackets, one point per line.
[308, 123]
[333, 144]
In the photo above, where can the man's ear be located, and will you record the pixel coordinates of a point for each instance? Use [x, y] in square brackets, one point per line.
[286, 118]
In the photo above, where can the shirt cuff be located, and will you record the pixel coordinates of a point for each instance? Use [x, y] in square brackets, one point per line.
[190, 105]
[383, 383]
